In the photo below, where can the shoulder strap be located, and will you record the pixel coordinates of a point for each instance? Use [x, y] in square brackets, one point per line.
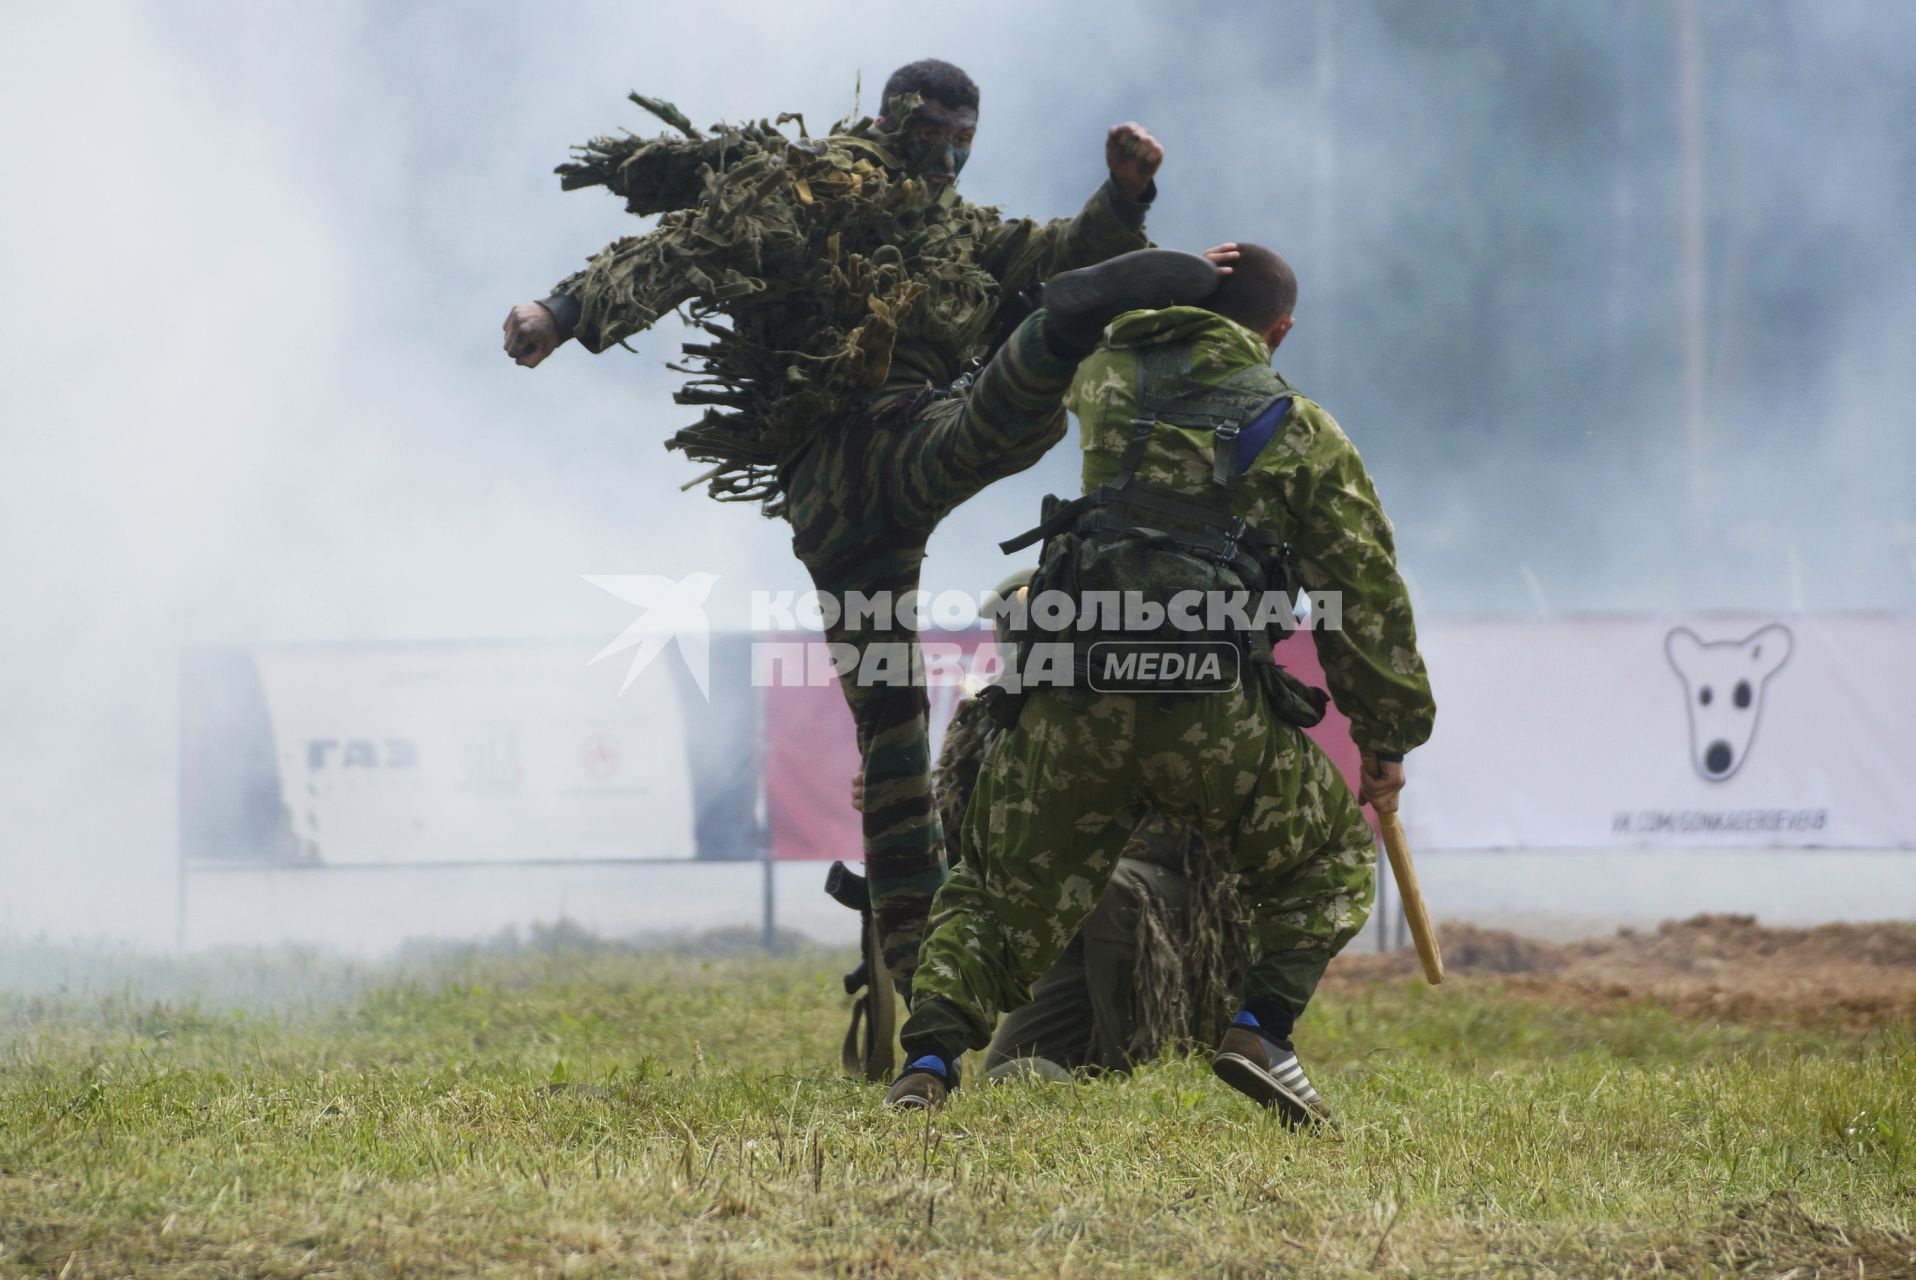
[1248, 441]
[1167, 393]
[1224, 442]
[1141, 428]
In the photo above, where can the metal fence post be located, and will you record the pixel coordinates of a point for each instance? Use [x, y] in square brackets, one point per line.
[770, 924]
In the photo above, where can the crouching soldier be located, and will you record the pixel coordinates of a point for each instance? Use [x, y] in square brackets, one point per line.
[1149, 969]
[1208, 478]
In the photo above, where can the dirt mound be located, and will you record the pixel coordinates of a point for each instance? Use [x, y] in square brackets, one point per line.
[1851, 976]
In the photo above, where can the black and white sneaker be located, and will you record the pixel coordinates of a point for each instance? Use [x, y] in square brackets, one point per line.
[1267, 1072]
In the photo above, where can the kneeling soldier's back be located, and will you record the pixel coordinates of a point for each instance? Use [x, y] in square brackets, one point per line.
[1214, 491]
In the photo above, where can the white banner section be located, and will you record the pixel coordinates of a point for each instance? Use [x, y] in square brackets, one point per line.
[476, 752]
[1727, 730]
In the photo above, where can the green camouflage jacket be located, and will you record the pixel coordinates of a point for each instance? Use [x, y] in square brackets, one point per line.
[1307, 485]
[841, 277]
[969, 735]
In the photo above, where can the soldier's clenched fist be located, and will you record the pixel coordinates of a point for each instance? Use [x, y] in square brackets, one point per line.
[1133, 156]
[531, 334]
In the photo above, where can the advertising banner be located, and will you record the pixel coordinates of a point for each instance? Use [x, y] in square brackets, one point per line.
[1745, 731]
[475, 752]
[366, 754]
[1729, 731]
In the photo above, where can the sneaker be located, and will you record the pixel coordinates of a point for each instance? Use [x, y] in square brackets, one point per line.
[1081, 303]
[924, 1086]
[1267, 1072]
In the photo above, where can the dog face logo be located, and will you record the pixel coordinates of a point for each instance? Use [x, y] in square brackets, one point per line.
[1724, 682]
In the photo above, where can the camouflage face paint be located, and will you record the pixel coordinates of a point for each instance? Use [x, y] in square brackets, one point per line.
[938, 161]
[938, 140]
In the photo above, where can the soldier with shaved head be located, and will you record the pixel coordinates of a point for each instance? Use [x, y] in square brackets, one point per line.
[1208, 477]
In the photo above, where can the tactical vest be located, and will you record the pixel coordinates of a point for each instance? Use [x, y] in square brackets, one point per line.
[1130, 535]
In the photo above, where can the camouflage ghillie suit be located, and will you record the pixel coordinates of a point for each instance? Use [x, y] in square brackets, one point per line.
[856, 294]
[1152, 966]
[1060, 793]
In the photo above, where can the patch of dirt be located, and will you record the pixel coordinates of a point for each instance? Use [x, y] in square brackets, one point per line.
[1856, 977]
[1779, 1239]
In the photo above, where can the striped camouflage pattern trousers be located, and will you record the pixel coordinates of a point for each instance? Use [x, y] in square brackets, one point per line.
[863, 503]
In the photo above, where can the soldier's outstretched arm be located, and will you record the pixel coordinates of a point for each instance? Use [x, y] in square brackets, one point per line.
[622, 291]
[1022, 254]
[635, 280]
[1344, 543]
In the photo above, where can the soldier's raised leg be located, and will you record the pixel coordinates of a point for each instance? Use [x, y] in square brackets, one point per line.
[1012, 412]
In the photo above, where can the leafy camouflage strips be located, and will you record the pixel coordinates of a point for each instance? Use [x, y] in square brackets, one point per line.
[821, 254]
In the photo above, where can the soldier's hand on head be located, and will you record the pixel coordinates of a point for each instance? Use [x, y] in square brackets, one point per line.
[858, 791]
[531, 334]
[1133, 156]
[1378, 783]
[1223, 256]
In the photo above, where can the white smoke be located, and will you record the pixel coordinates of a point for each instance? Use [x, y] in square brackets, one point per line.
[258, 256]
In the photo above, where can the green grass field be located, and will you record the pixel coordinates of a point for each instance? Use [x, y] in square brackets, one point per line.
[313, 1120]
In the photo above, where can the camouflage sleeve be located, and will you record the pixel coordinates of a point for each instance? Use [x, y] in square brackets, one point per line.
[1024, 253]
[1344, 543]
[565, 313]
[627, 286]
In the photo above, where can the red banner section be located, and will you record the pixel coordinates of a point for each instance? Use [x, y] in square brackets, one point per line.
[811, 752]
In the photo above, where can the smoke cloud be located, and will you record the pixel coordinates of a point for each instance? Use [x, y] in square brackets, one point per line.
[259, 256]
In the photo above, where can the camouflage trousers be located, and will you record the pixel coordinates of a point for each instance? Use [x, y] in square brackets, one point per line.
[1057, 799]
[1083, 1012]
[863, 503]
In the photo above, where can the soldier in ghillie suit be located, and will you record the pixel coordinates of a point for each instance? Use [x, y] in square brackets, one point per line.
[1150, 969]
[859, 287]
[1152, 966]
[1204, 472]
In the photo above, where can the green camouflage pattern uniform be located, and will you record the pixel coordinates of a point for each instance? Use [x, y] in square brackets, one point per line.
[1060, 793]
[1126, 986]
[856, 294]
[1092, 1008]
